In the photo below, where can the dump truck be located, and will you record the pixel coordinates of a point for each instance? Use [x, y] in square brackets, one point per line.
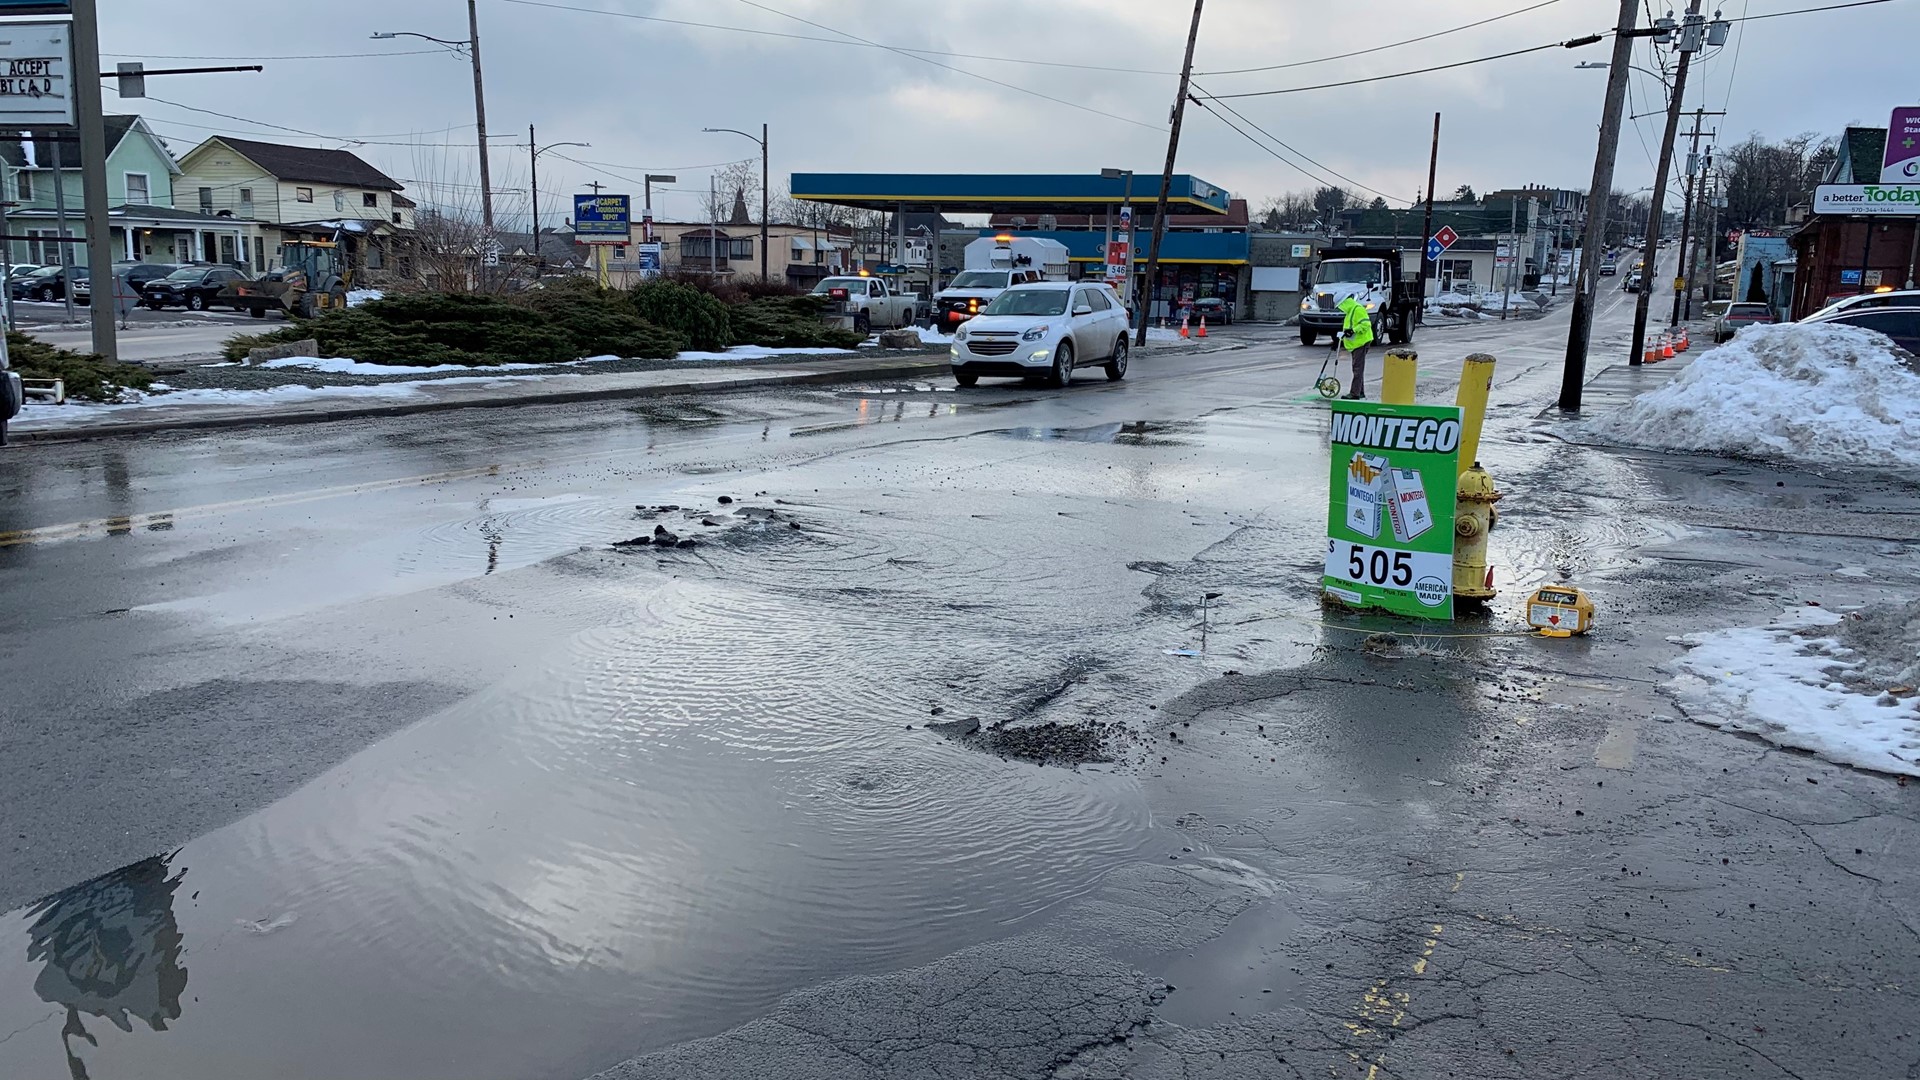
[307, 282]
[1378, 278]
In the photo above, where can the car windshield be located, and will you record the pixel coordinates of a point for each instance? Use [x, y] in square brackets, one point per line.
[851, 284]
[45, 271]
[1028, 302]
[186, 273]
[1355, 271]
[980, 279]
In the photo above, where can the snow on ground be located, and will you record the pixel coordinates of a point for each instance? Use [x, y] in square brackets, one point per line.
[741, 352]
[340, 365]
[75, 414]
[356, 297]
[1818, 393]
[1800, 682]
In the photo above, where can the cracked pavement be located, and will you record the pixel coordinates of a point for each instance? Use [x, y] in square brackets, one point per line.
[389, 714]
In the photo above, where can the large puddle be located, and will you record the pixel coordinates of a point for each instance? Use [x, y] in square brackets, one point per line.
[651, 839]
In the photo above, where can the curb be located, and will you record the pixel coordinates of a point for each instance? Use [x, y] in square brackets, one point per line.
[896, 370]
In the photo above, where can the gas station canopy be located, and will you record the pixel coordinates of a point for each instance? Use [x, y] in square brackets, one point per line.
[961, 193]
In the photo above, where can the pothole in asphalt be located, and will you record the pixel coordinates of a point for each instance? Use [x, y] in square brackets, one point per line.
[1133, 433]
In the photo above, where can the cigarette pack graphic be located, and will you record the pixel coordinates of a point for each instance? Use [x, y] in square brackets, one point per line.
[1407, 504]
[1366, 491]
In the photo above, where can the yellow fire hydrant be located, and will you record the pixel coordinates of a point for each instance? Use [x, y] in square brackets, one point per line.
[1472, 521]
[1473, 515]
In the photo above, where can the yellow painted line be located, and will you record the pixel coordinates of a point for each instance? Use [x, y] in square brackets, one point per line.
[120, 525]
[1382, 1009]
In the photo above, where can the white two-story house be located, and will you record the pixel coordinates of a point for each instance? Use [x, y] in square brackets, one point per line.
[301, 191]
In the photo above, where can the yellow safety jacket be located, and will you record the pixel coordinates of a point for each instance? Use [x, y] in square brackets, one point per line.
[1358, 327]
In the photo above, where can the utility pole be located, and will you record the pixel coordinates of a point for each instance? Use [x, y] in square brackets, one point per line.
[533, 187]
[1657, 215]
[1166, 176]
[480, 117]
[1683, 279]
[1513, 255]
[1573, 375]
[1428, 266]
[764, 178]
[64, 247]
[93, 174]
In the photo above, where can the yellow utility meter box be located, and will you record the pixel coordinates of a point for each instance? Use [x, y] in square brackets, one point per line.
[1560, 611]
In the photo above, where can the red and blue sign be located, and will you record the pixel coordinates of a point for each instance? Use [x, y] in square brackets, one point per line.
[1439, 242]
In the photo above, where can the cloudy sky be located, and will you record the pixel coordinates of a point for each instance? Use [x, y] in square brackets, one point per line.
[1046, 86]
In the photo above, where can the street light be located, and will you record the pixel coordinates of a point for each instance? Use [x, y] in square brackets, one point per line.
[1126, 201]
[762, 140]
[646, 212]
[533, 184]
[472, 45]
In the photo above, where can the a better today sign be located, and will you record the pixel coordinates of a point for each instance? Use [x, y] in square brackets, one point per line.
[1902, 200]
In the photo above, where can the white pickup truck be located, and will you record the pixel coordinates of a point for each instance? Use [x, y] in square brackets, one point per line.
[866, 304]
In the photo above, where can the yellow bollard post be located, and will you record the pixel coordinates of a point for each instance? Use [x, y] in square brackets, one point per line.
[1474, 514]
[1397, 375]
[1476, 385]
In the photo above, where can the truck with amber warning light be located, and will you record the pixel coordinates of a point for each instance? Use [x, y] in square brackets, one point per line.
[1379, 278]
[994, 265]
[866, 304]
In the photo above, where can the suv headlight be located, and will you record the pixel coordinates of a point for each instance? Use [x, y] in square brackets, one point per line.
[1036, 333]
[960, 334]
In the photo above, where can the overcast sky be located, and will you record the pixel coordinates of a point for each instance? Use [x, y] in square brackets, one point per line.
[640, 91]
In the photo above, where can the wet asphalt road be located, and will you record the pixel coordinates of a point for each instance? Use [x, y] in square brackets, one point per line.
[354, 750]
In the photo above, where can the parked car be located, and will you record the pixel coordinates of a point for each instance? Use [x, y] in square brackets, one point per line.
[1739, 315]
[1900, 298]
[866, 304]
[20, 270]
[1043, 331]
[1902, 324]
[192, 287]
[48, 283]
[1214, 309]
[1608, 269]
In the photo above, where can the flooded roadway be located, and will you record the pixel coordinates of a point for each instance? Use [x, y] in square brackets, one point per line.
[372, 758]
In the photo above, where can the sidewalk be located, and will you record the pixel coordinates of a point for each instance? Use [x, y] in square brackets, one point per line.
[310, 404]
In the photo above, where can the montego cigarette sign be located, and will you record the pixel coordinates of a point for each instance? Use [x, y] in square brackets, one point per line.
[1897, 199]
[1391, 492]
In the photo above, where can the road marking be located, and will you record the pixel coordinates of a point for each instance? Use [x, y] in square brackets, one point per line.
[1382, 1009]
[162, 520]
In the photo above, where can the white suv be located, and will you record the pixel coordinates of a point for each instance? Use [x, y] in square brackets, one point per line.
[1043, 331]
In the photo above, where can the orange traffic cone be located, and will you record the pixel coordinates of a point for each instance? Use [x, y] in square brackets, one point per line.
[1652, 355]
[1203, 326]
[1685, 342]
[1183, 327]
[1666, 348]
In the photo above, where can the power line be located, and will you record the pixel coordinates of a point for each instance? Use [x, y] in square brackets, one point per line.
[1804, 11]
[837, 41]
[1380, 48]
[950, 67]
[304, 56]
[1322, 181]
[1573, 43]
[1290, 149]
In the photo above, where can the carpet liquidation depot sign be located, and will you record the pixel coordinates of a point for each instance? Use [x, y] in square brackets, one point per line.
[1390, 519]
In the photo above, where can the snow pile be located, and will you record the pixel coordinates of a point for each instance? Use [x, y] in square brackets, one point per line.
[1819, 393]
[340, 365]
[1801, 682]
[356, 297]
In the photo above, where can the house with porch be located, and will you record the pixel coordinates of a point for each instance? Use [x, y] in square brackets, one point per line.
[41, 169]
[306, 193]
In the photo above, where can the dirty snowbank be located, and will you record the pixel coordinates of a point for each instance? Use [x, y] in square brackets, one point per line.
[1839, 686]
[1819, 393]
